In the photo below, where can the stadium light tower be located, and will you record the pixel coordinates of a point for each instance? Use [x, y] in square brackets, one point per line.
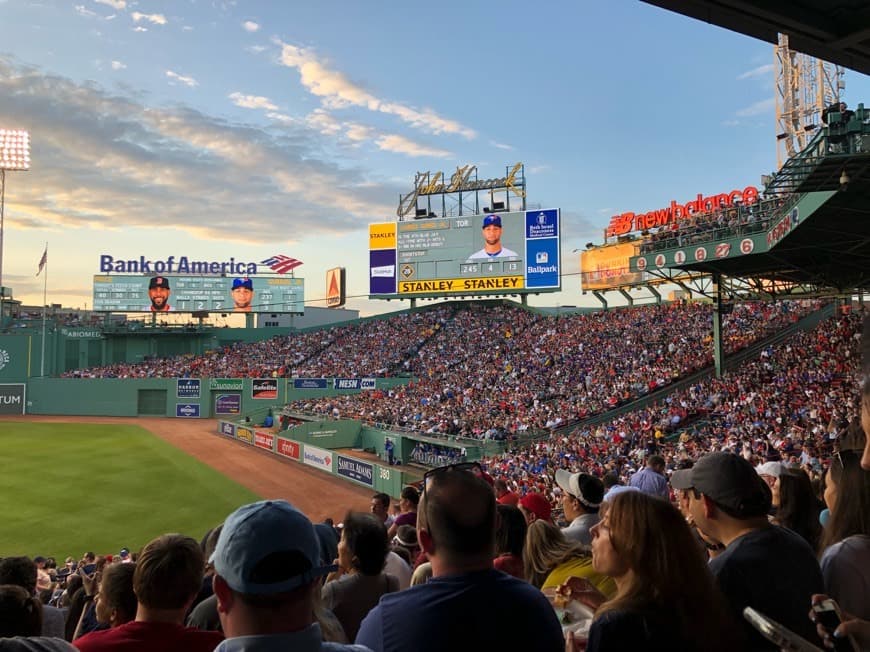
[14, 157]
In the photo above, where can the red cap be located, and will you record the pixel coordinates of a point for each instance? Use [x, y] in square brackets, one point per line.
[537, 505]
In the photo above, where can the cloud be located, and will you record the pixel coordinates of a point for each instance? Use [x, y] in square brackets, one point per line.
[108, 161]
[187, 81]
[501, 145]
[140, 29]
[252, 101]
[759, 108]
[337, 91]
[402, 145]
[256, 49]
[84, 11]
[250, 26]
[157, 19]
[114, 4]
[118, 65]
[282, 118]
[760, 71]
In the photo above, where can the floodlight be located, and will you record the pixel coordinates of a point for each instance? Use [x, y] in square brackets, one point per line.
[14, 149]
[14, 157]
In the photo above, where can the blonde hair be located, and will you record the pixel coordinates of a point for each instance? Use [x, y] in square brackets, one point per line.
[546, 548]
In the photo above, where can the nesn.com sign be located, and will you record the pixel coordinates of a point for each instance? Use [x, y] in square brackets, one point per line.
[346, 383]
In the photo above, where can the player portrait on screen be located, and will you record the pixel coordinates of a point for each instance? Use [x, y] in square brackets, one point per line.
[492, 247]
[242, 293]
[158, 293]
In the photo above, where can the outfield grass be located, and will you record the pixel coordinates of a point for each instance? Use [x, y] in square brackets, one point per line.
[66, 488]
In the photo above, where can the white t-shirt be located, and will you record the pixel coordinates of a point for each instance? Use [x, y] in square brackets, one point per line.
[399, 568]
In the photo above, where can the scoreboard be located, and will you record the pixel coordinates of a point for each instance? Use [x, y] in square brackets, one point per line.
[450, 256]
[198, 293]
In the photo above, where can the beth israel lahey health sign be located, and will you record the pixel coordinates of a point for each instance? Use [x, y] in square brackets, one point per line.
[492, 253]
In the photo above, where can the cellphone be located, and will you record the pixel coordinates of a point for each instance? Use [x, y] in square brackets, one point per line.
[780, 636]
[828, 614]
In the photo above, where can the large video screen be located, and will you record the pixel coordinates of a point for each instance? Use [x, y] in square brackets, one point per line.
[492, 253]
[198, 293]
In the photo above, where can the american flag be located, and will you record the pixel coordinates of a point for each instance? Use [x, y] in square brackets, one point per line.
[281, 264]
[42, 261]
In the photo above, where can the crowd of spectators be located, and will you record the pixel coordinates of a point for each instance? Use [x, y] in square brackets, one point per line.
[718, 223]
[721, 451]
[786, 404]
[499, 372]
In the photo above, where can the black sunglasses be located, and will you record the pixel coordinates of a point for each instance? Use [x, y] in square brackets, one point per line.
[430, 476]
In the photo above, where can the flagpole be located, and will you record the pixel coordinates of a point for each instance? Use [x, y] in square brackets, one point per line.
[44, 307]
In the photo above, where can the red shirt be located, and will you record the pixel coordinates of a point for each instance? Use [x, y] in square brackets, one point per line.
[147, 637]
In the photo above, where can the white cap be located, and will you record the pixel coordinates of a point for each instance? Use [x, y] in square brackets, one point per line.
[769, 468]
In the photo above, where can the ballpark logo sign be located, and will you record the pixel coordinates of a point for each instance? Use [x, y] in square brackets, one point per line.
[228, 429]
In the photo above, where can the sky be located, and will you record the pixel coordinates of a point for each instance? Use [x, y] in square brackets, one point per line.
[216, 129]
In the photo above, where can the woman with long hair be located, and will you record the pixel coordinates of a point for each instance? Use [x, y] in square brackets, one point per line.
[549, 559]
[360, 581]
[510, 536]
[797, 507]
[845, 546]
[666, 599]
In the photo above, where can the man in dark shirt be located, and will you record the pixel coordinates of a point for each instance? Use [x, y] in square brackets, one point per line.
[467, 605]
[768, 568]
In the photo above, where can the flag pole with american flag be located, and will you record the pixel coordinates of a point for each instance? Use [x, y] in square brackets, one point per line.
[43, 262]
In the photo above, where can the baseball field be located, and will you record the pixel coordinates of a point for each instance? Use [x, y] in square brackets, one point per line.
[70, 485]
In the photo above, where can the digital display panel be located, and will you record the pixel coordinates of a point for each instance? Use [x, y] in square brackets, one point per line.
[198, 293]
[492, 253]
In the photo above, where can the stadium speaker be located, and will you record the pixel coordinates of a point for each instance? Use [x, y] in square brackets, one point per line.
[498, 205]
[200, 314]
[422, 212]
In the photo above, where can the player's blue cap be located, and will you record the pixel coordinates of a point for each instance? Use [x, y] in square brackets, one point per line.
[243, 283]
[495, 220]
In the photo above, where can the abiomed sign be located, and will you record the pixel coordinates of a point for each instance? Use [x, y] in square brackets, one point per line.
[12, 398]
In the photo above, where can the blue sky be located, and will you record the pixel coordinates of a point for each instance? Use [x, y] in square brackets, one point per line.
[216, 129]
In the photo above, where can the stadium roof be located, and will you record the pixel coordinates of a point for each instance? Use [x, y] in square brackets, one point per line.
[833, 30]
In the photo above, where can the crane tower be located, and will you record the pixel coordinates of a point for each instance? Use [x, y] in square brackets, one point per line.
[804, 87]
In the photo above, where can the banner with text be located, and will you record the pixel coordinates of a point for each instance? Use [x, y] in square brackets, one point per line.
[358, 470]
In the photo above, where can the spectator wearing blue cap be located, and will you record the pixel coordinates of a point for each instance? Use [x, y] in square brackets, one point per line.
[268, 572]
[242, 293]
[492, 247]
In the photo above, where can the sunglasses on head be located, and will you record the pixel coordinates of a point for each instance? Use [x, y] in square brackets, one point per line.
[430, 476]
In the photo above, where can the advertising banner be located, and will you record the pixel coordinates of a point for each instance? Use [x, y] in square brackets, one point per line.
[12, 398]
[288, 448]
[187, 410]
[355, 469]
[604, 268]
[263, 388]
[309, 383]
[346, 383]
[263, 439]
[368, 383]
[489, 253]
[188, 388]
[228, 404]
[317, 457]
[157, 293]
[225, 384]
[245, 434]
[228, 429]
